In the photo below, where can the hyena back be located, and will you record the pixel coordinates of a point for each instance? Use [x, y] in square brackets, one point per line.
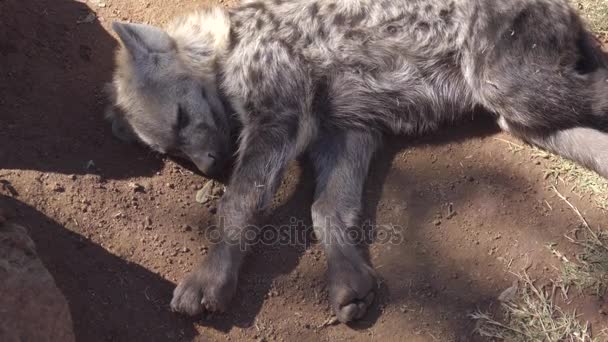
[328, 78]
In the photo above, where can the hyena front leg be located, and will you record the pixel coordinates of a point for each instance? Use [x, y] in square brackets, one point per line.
[263, 156]
[341, 161]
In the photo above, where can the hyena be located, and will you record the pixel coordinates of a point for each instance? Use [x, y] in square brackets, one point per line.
[326, 79]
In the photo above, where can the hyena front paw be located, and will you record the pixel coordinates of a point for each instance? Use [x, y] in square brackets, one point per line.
[204, 289]
[351, 290]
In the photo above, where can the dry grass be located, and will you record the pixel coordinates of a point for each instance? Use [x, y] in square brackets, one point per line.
[590, 270]
[595, 13]
[583, 182]
[531, 315]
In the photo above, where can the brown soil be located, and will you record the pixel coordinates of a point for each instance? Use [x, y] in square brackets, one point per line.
[116, 253]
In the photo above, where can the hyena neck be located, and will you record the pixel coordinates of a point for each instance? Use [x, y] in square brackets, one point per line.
[202, 39]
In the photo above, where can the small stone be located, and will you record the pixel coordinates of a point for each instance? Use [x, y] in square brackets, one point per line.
[204, 195]
[185, 250]
[437, 222]
[58, 187]
[187, 228]
[170, 185]
[136, 187]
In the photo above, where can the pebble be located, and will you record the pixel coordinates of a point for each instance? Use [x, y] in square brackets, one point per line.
[136, 187]
[58, 187]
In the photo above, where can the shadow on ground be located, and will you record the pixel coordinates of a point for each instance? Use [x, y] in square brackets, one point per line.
[54, 65]
[89, 275]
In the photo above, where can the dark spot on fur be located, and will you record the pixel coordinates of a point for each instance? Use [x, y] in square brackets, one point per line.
[249, 105]
[322, 105]
[237, 24]
[267, 102]
[272, 20]
[321, 32]
[413, 17]
[354, 35]
[259, 24]
[428, 8]
[331, 7]
[339, 19]
[256, 56]
[183, 119]
[446, 13]
[588, 58]
[521, 19]
[423, 26]
[313, 9]
[295, 33]
[357, 19]
[277, 2]
[293, 126]
[255, 75]
[268, 59]
[391, 29]
[288, 48]
[307, 40]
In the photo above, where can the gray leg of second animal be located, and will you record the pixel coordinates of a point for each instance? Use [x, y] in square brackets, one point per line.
[341, 162]
[587, 146]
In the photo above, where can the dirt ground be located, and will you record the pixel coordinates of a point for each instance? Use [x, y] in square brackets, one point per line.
[117, 250]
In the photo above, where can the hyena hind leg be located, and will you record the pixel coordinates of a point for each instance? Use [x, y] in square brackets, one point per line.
[584, 145]
[341, 161]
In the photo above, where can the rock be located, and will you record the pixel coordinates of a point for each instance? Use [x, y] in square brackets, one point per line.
[204, 194]
[137, 187]
[57, 187]
[210, 191]
[31, 306]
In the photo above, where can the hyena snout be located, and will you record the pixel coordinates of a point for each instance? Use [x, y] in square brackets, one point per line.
[210, 163]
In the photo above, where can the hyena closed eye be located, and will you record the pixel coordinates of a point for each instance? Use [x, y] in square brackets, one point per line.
[327, 78]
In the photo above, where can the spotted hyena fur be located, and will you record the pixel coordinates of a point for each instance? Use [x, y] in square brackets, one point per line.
[329, 78]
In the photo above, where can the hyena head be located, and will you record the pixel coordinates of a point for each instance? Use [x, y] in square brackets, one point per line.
[164, 91]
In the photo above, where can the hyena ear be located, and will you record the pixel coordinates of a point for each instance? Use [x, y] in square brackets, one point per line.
[140, 39]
